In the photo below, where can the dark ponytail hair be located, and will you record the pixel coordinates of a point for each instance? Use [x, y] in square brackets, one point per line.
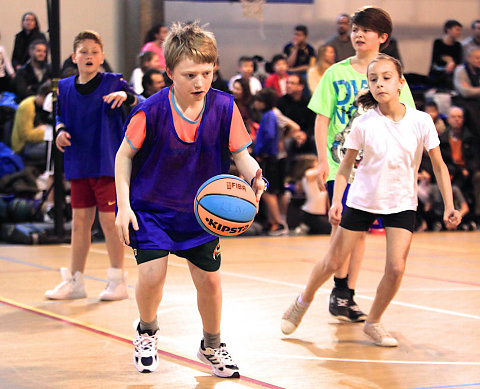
[365, 98]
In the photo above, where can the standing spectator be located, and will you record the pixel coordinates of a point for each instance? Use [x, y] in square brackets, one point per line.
[148, 60]
[325, 59]
[30, 32]
[294, 104]
[473, 40]
[154, 42]
[34, 73]
[245, 70]
[341, 42]
[7, 72]
[29, 127]
[278, 79]
[446, 55]
[467, 83]
[152, 82]
[300, 54]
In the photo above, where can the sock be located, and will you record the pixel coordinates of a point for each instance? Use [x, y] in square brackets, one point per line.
[341, 283]
[150, 327]
[211, 340]
[301, 302]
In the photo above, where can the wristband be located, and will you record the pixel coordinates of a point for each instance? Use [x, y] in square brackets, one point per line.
[264, 179]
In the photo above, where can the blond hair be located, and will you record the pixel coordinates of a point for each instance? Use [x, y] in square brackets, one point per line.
[87, 34]
[189, 41]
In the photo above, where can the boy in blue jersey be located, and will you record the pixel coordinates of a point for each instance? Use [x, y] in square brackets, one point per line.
[174, 141]
[89, 132]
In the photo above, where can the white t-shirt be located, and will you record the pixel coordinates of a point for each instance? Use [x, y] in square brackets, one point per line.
[386, 178]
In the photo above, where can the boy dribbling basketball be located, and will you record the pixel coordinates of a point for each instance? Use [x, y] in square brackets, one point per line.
[174, 141]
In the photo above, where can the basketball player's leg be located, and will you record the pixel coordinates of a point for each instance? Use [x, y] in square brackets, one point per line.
[204, 264]
[398, 246]
[149, 288]
[152, 272]
[338, 252]
[115, 248]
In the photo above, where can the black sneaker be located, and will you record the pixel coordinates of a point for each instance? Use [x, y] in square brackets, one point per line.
[343, 307]
[339, 304]
[354, 312]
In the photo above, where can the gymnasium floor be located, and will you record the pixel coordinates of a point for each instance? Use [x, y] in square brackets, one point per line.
[87, 343]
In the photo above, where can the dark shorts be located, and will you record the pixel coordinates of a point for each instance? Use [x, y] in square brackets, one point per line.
[206, 256]
[356, 220]
[91, 192]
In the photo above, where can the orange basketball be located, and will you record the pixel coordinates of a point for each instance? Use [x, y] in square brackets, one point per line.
[225, 205]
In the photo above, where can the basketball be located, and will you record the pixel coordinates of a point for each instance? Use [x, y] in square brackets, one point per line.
[225, 205]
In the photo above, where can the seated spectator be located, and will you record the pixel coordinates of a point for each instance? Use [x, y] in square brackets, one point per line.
[152, 82]
[34, 73]
[147, 60]
[7, 72]
[467, 84]
[29, 127]
[325, 59]
[341, 43]
[300, 54]
[459, 147]
[244, 99]
[432, 109]
[447, 54]
[218, 82]
[154, 42]
[294, 104]
[473, 40]
[392, 49]
[30, 32]
[278, 79]
[314, 211]
[434, 208]
[245, 70]
[71, 68]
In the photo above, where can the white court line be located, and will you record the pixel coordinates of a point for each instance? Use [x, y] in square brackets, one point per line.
[322, 290]
[290, 356]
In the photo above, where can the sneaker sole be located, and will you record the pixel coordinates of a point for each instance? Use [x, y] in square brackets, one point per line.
[206, 361]
[145, 371]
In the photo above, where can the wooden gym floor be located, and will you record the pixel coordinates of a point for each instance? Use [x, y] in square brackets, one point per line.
[87, 343]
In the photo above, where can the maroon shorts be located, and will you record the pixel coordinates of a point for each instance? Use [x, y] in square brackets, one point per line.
[90, 192]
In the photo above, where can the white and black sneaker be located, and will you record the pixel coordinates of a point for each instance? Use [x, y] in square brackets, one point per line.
[145, 356]
[219, 359]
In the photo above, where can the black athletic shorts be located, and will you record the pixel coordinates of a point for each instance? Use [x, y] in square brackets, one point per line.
[356, 220]
[206, 256]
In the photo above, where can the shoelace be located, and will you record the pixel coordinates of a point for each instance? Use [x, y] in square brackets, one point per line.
[221, 355]
[355, 308]
[342, 302]
[294, 314]
[146, 345]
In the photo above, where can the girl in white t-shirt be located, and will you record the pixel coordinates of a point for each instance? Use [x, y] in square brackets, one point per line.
[392, 137]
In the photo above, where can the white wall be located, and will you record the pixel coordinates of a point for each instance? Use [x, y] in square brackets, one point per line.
[416, 24]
